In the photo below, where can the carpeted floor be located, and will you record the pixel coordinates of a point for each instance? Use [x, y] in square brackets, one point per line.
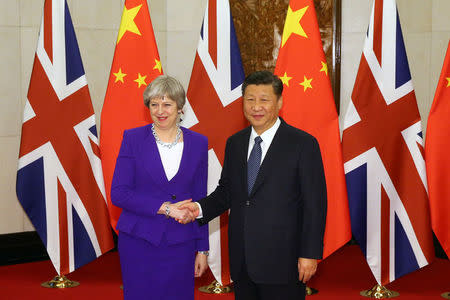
[341, 276]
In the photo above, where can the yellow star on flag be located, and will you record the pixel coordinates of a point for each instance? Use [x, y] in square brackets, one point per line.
[292, 24]
[448, 81]
[157, 65]
[141, 80]
[119, 75]
[306, 83]
[128, 23]
[324, 67]
[285, 79]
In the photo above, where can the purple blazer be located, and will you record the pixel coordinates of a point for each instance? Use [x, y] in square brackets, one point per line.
[140, 186]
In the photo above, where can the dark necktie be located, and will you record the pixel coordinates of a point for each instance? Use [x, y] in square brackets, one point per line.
[253, 163]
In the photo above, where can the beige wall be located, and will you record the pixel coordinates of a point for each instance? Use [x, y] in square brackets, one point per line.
[176, 23]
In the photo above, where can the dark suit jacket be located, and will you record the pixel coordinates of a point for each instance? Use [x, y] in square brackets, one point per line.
[284, 216]
[140, 187]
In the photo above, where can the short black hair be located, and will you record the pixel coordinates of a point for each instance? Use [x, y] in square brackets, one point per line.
[264, 77]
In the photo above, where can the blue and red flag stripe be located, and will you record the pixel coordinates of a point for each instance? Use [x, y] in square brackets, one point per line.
[214, 108]
[383, 155]
[59, 178]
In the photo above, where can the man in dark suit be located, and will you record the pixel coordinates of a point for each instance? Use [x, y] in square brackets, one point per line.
[273, 183]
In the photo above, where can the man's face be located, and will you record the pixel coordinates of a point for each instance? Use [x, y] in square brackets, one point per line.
[261, 106]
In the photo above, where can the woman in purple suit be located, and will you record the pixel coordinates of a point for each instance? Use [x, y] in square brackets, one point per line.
[159, 165]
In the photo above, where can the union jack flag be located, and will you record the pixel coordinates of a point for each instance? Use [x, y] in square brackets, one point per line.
[383, 155]
[214, 108]
[59, 178]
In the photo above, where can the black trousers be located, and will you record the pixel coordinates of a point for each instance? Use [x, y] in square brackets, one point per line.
[246, 289]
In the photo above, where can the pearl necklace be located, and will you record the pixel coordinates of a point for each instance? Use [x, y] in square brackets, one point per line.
[168, 145]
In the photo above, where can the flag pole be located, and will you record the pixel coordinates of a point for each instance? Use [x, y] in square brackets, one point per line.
[60, 282]
[379, 292]
[216, 288]
[311, 291]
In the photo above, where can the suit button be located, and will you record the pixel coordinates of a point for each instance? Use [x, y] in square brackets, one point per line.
[174, 197]
[247, 203]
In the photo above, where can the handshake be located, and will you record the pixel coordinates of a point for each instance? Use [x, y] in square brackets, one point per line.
[183, 212]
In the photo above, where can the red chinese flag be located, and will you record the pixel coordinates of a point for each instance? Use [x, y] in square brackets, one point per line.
[308, 104]
[136, 63]
[437, 145]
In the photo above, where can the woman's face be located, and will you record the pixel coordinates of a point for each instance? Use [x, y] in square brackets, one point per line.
[164, 112]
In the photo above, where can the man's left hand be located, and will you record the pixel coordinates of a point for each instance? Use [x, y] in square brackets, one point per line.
[306, 268]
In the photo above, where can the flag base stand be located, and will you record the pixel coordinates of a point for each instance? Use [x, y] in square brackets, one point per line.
[216, 288]
[311, 291]
[60, 282]
[446, 295]
[379, 292]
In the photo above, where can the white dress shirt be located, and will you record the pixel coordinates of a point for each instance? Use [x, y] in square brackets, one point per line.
[171, 158]
[267, 137]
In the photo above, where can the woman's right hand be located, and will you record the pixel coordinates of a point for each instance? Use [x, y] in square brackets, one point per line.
[182, 215]
[177, 212]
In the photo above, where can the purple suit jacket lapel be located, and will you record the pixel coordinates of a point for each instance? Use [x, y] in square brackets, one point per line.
[152, 159]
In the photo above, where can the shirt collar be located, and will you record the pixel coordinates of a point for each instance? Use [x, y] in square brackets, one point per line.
[267, 136]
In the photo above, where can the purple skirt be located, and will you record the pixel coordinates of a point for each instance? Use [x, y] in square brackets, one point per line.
[164, 272]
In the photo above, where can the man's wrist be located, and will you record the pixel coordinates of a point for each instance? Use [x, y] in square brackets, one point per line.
[200, 212]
